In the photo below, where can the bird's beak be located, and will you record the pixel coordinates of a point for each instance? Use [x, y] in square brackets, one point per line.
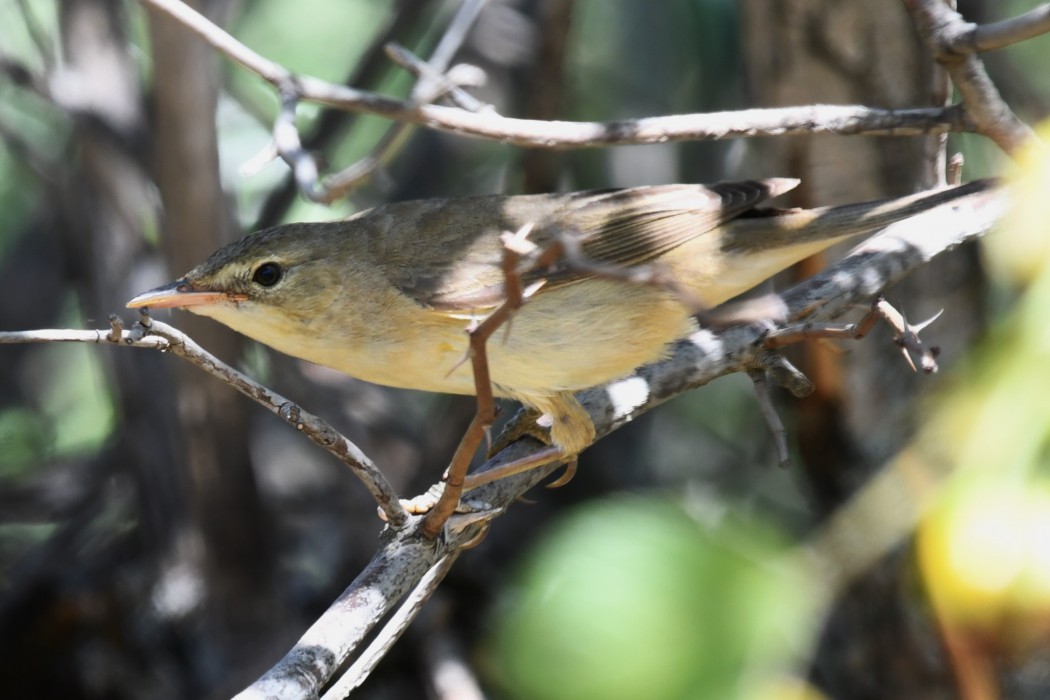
[180, 294]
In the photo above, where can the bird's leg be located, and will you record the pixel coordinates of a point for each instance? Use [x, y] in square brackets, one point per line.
[529, 422]
[558, 421]
[456, 473]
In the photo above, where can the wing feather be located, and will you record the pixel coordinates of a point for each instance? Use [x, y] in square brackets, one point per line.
[621, 227]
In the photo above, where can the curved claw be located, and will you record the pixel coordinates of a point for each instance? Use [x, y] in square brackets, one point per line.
[566, 476]
[476, 539]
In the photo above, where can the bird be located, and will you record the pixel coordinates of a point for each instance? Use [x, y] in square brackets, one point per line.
[386, 295]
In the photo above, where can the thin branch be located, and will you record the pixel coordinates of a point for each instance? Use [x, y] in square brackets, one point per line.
[454, 36]
[331, 123]
[772, 418]
[434, 84]
[809, 120]
[905, 334]
[940, 27]
[844, 120]
[431, 84]
[996, 35]
[160, 336]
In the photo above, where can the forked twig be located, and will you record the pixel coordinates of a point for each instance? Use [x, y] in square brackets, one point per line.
[906, 335]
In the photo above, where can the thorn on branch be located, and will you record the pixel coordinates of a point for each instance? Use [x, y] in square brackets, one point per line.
[955, 168]
[906, 335]
[144, 318]
[785, 374]
[116, 328]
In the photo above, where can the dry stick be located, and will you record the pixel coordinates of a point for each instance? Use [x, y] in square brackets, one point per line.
[819, 119]
[905, 335]
[346, 179]
[448, 84]
[996, 35]
[155, 335]
[329, 123]
[431, 85]
[939, 26]
[392, 631]
[775, 366]
[936, 145]
[772, 418]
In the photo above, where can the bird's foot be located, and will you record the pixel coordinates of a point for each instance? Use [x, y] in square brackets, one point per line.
[558, 421]
[421, 504]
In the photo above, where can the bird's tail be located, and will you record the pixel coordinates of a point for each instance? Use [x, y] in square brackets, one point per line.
[772, 229]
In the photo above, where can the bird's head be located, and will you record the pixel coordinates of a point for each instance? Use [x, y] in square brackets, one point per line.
[276, 281]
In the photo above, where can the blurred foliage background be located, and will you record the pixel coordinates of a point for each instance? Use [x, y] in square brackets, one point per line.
[161, 537]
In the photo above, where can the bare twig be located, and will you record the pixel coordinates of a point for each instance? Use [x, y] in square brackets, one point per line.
[434, 84]
[431, 85]
[905, 334]
[817, 119]
[769, 412]
[289, 146]
[329, 124]
[134, 339]
[940, 26]
[392, 630]
[996, 35]
[160, 336]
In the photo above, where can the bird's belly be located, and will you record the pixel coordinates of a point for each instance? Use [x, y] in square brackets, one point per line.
[571, 338]
[565, 340]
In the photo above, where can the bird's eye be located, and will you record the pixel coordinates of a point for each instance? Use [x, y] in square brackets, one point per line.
[268, 274]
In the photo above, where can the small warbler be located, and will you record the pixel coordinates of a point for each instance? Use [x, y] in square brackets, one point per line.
[385, 295]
